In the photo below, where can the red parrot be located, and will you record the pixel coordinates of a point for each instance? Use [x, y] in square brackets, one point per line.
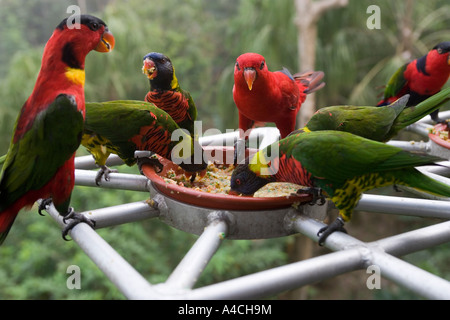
[264, 96]
[420, 78]
[40, 159]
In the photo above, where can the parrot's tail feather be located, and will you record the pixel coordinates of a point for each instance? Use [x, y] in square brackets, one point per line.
[310, 81]
[424, 183]
[411, 115]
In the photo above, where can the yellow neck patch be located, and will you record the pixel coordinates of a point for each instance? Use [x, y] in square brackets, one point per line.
[76, 76]
[259, 164]
[174, 83]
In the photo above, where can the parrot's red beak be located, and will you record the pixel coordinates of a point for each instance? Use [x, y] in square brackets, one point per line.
[106, 43]
[149, 69]
[249, 76]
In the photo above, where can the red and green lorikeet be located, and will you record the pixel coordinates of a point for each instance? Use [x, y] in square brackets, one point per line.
[339, 164]
[420, 78]
[264, 96]
[40, 159]
[165, 91]
[124, 126]
[375, 123]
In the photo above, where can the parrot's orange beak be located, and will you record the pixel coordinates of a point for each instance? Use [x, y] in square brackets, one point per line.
[149, 69]
[249, 76]
[106, 43]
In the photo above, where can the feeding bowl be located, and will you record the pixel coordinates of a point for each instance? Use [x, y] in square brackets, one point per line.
[435, 136]
[219, 155]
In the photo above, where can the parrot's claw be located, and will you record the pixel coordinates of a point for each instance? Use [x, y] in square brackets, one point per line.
[336, 225]
[152, 161]
[103, 172]
[43, 205]
[317, 196]
[76, 219]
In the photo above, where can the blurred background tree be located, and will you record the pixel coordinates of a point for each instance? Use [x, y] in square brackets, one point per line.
[203, 39]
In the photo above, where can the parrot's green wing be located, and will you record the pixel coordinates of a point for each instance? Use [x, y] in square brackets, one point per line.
[124, 126]
[34, 159]
[192, 111]
[337, 156]
[369, 122]
[395, 83]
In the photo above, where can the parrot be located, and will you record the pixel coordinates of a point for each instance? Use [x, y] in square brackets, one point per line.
[165, 91]
[124, 126]
[40, 160]
[336, 165]
[375, 123]
[420, 78]
[264, 96]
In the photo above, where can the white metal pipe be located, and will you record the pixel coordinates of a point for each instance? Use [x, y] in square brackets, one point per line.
[88, 162]
[417, 280]
[375, 254]
[414, 146]
[186, 274]
[116, 268]
[415, 240]
[420, 128]
[124, 213]
[404, 206]
[117, 181]
[276, 280]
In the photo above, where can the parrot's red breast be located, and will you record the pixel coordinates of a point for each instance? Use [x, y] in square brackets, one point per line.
[264, 96]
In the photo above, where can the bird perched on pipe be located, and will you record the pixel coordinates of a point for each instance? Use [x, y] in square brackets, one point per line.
[124, 126]
[420, 78]
[40, 159]
[264, 96]
[337, 165]
[376, 123]
[165, 91]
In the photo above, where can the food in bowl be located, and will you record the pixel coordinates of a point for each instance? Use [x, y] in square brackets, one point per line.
[217, 180]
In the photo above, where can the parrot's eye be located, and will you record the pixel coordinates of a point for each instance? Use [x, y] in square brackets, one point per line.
[238, 182]
[262, 66]
[94, 26]
[440, 51]
[237, 66]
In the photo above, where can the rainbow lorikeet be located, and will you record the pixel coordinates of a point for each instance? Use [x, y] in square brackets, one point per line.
[165, 91]
[339, 164]
[40, 159]
[124, 126]
[420, 78]
[264, 96]
[375, 123]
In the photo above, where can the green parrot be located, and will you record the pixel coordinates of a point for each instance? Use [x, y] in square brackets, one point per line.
[339, 164]
[124, 126]
[375, 123]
